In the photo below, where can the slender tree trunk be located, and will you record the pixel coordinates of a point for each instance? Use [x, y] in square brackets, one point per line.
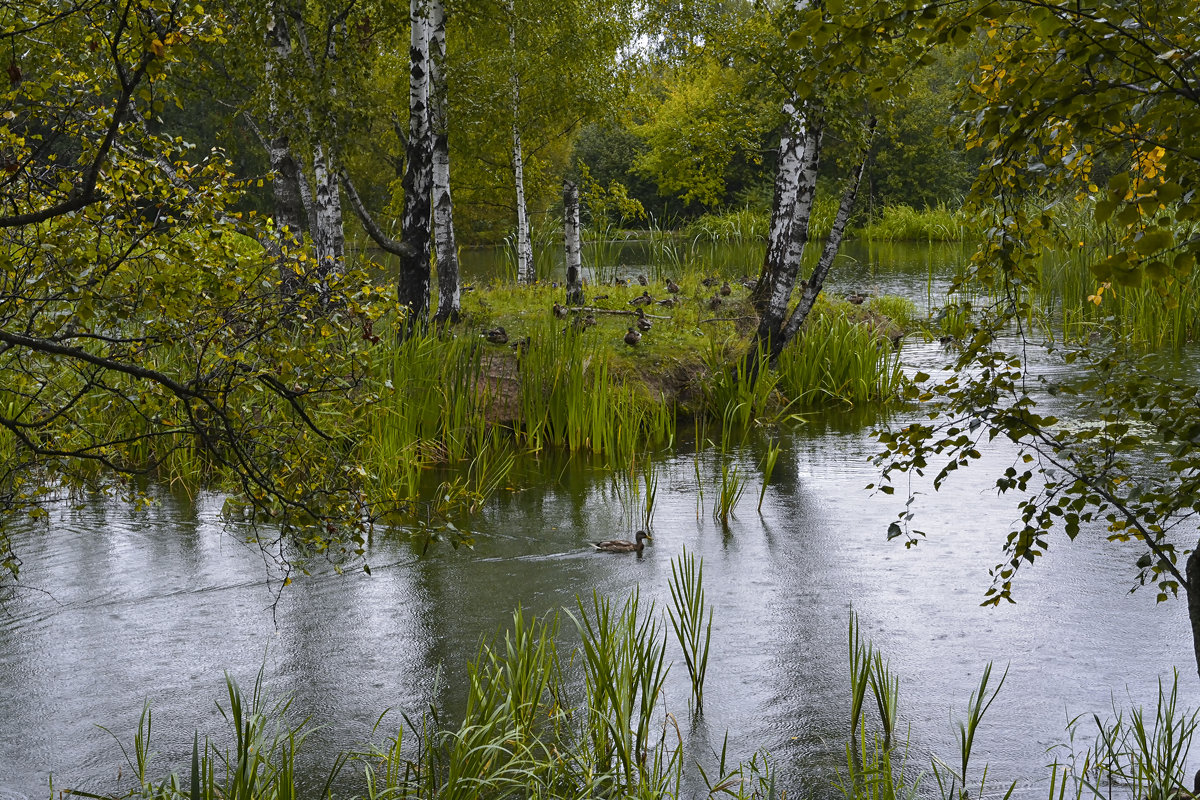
[413, 287]
[789, 248]
[525, 271]
[449, 294]
[1193, 600]
[571, 235]
[329, 237]
[832, 245]
[285, 184]
[787, 182]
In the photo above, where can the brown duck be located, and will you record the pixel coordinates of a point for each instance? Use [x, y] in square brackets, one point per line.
[644, 300]
[632, 338]
[496, 335]
[622, 545]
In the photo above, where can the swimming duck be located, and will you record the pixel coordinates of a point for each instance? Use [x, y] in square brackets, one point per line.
[632, 338]
[496, 335]
[644, 300]
[623, 546]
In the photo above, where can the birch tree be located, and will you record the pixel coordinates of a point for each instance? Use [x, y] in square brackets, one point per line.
[449, 293]
[571, 235]
[285, 185]
[826, 92]
[413, 286]
[528, 74]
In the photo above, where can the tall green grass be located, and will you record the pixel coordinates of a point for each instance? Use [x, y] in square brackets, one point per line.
[569, 399]
[1074, 302]
[258, 764]
[686, 613]
[836, 360]
[906, 224]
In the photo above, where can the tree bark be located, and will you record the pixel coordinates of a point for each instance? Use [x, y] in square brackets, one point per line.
[525, 270]
[574, 248]
[285, 183]
[449, 293]
[832, 245]
[413, 285]
[1193, 600]
[370, 225]
[787, 171]
[329, 236]
[784, 254]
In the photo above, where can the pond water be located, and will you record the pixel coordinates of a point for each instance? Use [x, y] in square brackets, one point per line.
[124, 606]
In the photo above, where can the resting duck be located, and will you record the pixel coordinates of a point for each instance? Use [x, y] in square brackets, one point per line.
[632, 338]
[623, 546]
[672, 286]
[711, 281]
[560, 311]
[642, 281]
[496, 335]
[643, 322]
[726, 290]
[644, 300]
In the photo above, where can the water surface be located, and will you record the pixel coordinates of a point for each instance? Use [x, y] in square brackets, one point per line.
[124, 606]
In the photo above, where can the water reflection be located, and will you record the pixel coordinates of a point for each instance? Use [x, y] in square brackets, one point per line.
[156, 604]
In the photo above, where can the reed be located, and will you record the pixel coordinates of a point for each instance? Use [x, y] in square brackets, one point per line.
[904, 223]
[767, 468]
[737, 225]
[952, 780]
[839, 361]
[1071, 300]
[1137, 756]
[731, 394]
[258, 764]
[861, 659]
[570, 399]
[733, 486]
[692, 631]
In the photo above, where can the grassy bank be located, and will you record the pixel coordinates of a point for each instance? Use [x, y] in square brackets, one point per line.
[427, 429]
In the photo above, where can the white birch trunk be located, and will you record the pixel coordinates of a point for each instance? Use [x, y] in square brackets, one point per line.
[787, 181]
[788, 249]
[413, 288]
[449, 292]
[832, 245]
[574, 248]
[329, 237]
[525, 271]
